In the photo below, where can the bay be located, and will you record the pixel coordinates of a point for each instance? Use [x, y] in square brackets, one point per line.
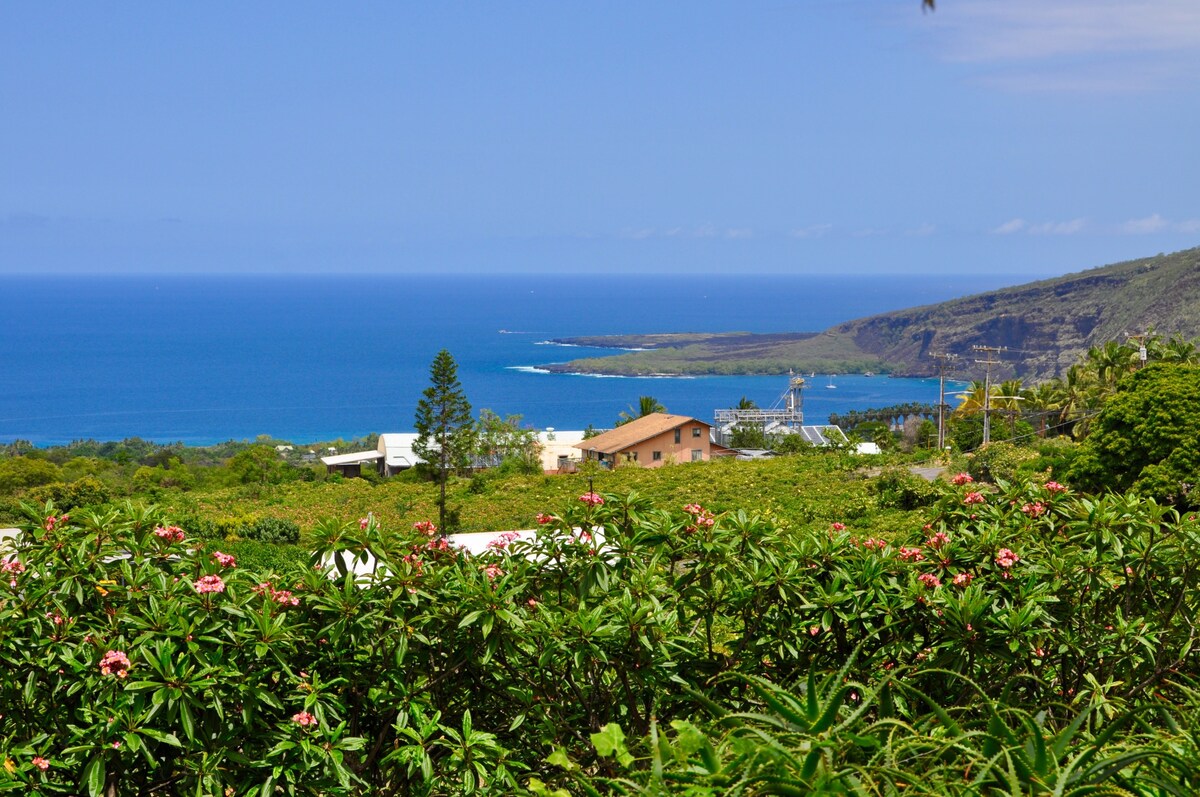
[202, 359]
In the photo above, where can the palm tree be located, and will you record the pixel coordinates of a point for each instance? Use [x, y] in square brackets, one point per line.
[647, 405]
[1176, 350]
[1045, 400]
[972, 400]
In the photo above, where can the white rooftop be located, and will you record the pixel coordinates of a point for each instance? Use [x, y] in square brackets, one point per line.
[351, 459]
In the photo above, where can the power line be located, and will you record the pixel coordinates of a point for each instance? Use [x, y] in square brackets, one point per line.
[992, 354]
[945, 362]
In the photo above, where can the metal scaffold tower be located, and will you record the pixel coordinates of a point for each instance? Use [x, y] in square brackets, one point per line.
[786, 414]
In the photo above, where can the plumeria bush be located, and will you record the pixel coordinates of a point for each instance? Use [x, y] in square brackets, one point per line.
[620, 647]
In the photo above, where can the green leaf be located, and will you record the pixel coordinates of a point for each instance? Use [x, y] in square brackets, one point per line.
[560, 759]
[187, 721]
[93, 776]
[610, 741]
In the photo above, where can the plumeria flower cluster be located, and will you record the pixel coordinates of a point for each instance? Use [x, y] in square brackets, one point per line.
[283, 597]
[963, 580]
[40, 763]
[911, 554]
[929, 580]
[52, 521]
[874, 543]
[12, 567]
[837, 526]
[170, 533]
[439, 546]
[1055, 487]
[224, 559]
[592, 499]
[701, 518]
[938, 540]
[973, 498]
[1036, 509]
[115, 662]
[1006, 558]
[426, 527]
[364, 522]
[960, 479]
[502, 541]
[207, 585]
[493, 571]
[543, 518]
[304, 719]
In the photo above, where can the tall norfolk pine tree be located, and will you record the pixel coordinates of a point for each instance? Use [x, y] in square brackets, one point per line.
[444, 428]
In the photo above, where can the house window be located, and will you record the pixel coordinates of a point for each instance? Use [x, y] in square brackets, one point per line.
[631, 456]
[656, 456]
[676, 437]
[695, 431]
[697, 455]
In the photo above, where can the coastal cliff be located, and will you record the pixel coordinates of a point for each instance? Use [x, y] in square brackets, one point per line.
[1046, 325]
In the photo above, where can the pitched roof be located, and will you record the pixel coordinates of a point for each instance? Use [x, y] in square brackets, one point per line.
[636, 431]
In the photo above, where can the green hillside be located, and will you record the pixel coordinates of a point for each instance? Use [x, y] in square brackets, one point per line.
[1048, 325]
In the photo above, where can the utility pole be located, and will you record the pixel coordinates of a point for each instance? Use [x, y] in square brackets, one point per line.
[991, 353]
[945, 363]
[1141, 343]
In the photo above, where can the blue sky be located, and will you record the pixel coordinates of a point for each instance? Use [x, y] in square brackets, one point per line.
[1032, 137]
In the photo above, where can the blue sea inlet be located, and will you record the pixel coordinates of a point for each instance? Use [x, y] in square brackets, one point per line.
[304, 358]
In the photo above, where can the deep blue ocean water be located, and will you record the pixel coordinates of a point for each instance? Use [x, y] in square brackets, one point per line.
[304, 358]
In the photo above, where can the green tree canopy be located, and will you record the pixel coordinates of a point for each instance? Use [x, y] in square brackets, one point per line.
[1147, 437]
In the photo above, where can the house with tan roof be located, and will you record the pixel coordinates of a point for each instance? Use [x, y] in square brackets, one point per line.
[650, 441]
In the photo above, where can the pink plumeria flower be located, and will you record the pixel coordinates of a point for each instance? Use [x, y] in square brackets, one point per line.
[206, 585]
[961, 479]
[911, 555]
[304, 719]
[224, 559]
[115, 662]
[493, 571]
[426, 527]
[1034, 510]
[973, 498]
[963, 579]
[592, 499]
[1055, 487]
[285, 598]
[170, 533]
[938, 540]
[930, 580]
[1006, 558]
[838, 526]
[543, 518]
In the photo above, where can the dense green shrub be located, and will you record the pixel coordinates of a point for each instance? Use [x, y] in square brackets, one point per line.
[965, 645]
[1000, 461]
[263, 556]
[273, 530]
[1147, 438]
[87, 491]
[899, 488]
[18, 473]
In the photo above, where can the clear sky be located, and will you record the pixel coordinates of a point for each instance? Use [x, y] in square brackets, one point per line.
[1031, 137]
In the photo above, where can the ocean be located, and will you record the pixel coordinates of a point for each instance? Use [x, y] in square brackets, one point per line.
[203, 359]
